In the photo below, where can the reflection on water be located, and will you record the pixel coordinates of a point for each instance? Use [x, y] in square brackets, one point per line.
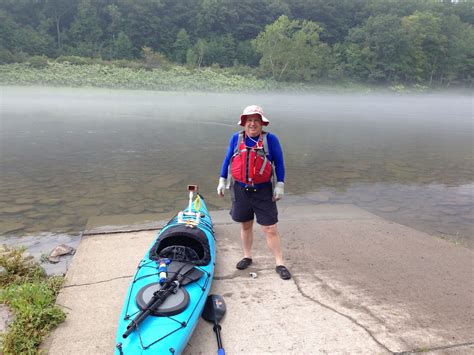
[67, 155]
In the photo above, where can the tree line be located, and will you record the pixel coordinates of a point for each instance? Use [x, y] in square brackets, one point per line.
[426, 42]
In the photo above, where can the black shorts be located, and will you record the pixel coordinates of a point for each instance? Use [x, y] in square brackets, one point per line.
[247, 202]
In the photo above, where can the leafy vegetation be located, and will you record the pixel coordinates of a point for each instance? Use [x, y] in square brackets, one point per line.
[395, 42]
[31, 295]
[131, 75]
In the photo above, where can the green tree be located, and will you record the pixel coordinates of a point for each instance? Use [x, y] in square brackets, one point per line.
[23, 31]
[8, 27]
[181, 46]
[143, 23]
[457, 66]
[195, 56]
[209, 18]
[85, 34]
[290, 50]
[335, 17]
[123, 48]
[428, 45]
[115, 20]
[220, 50]
[154, 59]
[57, 10]
[378, 50]
[246, 54]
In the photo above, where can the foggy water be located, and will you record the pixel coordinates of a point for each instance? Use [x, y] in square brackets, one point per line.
[70, 154]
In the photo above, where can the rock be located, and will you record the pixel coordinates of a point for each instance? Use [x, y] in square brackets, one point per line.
[163, 181]
[50, 201]
[458, 201]
[4, 250]
[156, 210]
[24, 201]
[8, 227]
[449, 211]
[85, 202]
[6, 317]
[59, 251]
[16, 209]
[469, 216]
[388, 209]
[367, 198]
[121, 189]
[429, 218]
[42, 178]
[62, 221]
[137, 209]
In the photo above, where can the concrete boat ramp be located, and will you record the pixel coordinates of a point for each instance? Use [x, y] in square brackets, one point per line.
[361, 285]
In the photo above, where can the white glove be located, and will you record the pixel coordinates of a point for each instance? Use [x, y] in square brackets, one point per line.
[221, 186]
[279, 190]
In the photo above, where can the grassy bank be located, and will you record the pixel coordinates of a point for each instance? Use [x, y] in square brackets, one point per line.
[172, 78]
[31, 296]
[105, 76]
[137, 75]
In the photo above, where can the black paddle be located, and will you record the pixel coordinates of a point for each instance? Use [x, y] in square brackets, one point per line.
[213, 312]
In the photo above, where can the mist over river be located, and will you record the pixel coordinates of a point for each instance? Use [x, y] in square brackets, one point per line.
[70, 154]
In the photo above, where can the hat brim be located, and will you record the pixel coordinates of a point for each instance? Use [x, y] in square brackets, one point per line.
[265, 120]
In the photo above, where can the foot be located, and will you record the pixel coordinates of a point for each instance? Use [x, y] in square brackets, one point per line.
[283, 272]
[244, 263]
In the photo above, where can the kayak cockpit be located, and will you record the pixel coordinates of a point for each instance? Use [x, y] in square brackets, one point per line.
[184, 244]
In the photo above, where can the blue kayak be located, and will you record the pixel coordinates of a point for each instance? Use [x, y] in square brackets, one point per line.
[166, 297]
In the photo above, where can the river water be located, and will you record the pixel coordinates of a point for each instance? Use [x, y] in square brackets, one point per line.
[71, 154]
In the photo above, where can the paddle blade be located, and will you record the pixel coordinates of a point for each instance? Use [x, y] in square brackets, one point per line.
[214, 309]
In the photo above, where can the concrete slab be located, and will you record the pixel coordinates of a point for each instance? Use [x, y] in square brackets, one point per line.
[360, 284]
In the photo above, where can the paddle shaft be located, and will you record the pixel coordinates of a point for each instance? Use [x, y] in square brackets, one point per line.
[142, 315]
[217, 330]
[157, 299]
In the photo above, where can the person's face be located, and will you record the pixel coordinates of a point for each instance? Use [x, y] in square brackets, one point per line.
[253, 125]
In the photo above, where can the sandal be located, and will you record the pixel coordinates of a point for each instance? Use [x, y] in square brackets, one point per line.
[283, 272]
[244, 263]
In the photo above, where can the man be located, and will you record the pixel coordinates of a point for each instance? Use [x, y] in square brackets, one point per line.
[252, 157]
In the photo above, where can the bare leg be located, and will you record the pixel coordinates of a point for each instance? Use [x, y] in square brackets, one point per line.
[273, 242]
[246, 235]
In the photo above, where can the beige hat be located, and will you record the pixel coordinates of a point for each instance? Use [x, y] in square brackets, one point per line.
[250, 110]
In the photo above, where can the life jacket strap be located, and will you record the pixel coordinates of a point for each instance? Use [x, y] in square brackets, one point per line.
[265, 161]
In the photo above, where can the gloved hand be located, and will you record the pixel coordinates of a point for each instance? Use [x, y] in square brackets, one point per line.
[279, 190]
[221, 186]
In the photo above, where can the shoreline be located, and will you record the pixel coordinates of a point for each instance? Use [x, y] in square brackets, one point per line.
[39, 245]
[183, 80]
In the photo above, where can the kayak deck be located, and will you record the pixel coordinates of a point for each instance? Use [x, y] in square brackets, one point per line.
[183, 243]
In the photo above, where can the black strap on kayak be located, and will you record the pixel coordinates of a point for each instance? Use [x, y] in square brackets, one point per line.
[160, 296]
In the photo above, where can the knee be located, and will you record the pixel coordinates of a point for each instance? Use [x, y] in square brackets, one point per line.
[270, 231]
[247, 225]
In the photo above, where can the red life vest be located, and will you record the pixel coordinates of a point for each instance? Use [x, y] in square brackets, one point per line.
[250, 165]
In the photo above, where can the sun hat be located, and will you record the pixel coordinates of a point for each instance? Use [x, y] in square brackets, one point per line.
[250, 110]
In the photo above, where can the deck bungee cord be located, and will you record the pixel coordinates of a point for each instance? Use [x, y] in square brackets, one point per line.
[134, 324]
